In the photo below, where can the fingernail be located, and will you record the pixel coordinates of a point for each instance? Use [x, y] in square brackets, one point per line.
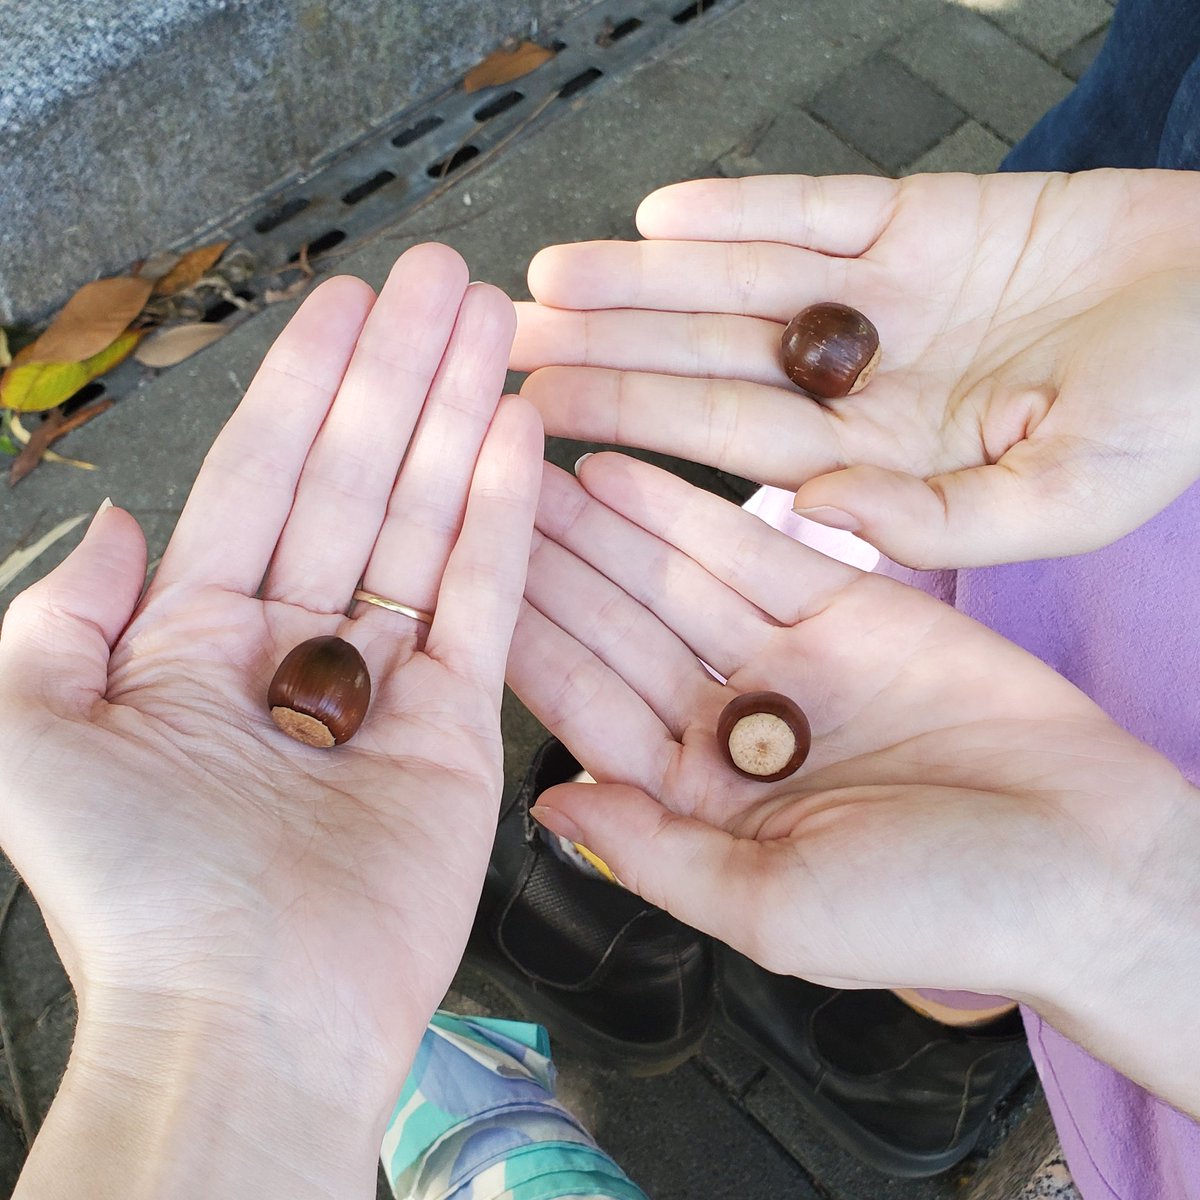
[105, 504]
[582, 459]
[556, 822]
[834, 518]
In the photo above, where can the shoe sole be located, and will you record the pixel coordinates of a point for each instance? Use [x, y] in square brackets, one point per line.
[868, 1149]
[630, 1058]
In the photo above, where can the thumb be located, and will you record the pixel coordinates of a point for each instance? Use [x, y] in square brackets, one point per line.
[58, 633]
[1030, 504]
[700, 874]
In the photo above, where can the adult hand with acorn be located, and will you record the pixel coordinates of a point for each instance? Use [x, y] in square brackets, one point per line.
[1036, 391]
[963, 819]
[257, 930]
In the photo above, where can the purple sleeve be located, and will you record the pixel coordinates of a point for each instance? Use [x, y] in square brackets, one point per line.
[1123, 624]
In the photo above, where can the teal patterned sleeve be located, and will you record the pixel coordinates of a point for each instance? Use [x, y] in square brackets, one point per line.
[478, 1120]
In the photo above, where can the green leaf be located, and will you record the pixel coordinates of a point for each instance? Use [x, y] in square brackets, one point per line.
[37, 386]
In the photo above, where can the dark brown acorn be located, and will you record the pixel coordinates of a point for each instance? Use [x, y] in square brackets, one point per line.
[764, 736]
[320, 692]
[830, 351]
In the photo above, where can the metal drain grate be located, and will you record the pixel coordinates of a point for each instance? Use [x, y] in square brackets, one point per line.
[430, 147]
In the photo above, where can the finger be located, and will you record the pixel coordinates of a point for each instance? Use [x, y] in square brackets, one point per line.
[702, 875]
[842, 215]
[58, 633]
[427, 504]
[696, 344]
[754, 279]
[763, 433]
[619, 631]
[343, 491]
[587, 705]
[721, 627]
[1034, 502]
[244, 491]
[485, 575]
[742, 555]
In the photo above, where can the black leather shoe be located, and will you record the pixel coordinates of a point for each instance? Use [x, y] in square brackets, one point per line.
[605, 972]
[905, 1094]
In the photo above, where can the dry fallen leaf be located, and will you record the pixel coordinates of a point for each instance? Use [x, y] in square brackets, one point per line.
[191, 268]
[506, 64]
[37, 386]
[91, 321]
[56, 425]
[156, 266]
[5, 357]
[169, 346]
[18, 560]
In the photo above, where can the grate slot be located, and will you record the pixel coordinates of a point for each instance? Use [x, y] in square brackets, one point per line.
[684, 15]
[362, 190]
[417, 131]
[436, 144]
[501, 104]
[576, 84]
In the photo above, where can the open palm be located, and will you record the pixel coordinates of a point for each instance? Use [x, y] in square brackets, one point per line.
[1036, 394]
[962, 809]
[180, 845]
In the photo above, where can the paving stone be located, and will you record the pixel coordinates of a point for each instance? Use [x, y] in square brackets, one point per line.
[1015, 1163]
[885, 111]
[992, 77]
[1077, 60]
[792, 142]
[680, 1140]
[1049, 28]
[38, 1007]
[969, 148]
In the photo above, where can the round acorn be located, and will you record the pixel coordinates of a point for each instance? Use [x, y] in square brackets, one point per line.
[764, 736]
[320, 692]
[830, 351]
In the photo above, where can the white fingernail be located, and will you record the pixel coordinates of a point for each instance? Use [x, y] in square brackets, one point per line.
[105, 503]
[582, 459]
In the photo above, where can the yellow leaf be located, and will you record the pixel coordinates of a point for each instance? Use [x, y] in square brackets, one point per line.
[37, 386]
[506, 64]
[90, 321]
[5, 357]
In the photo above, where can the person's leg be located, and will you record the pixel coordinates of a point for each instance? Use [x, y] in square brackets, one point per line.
[1179, 149]
[1117, 113]
[477, 1119]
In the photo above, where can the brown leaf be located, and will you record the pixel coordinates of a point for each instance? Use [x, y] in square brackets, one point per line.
[49, 431]
[192, 267]
[506, 64]
[172, 345]
[89, 322]
[156, 266]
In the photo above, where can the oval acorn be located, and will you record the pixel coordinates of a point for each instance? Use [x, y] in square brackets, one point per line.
[764, 735]
[830, 350]
[320, 692]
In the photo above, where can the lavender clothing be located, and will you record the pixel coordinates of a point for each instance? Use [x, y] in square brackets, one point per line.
[1123, 624]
